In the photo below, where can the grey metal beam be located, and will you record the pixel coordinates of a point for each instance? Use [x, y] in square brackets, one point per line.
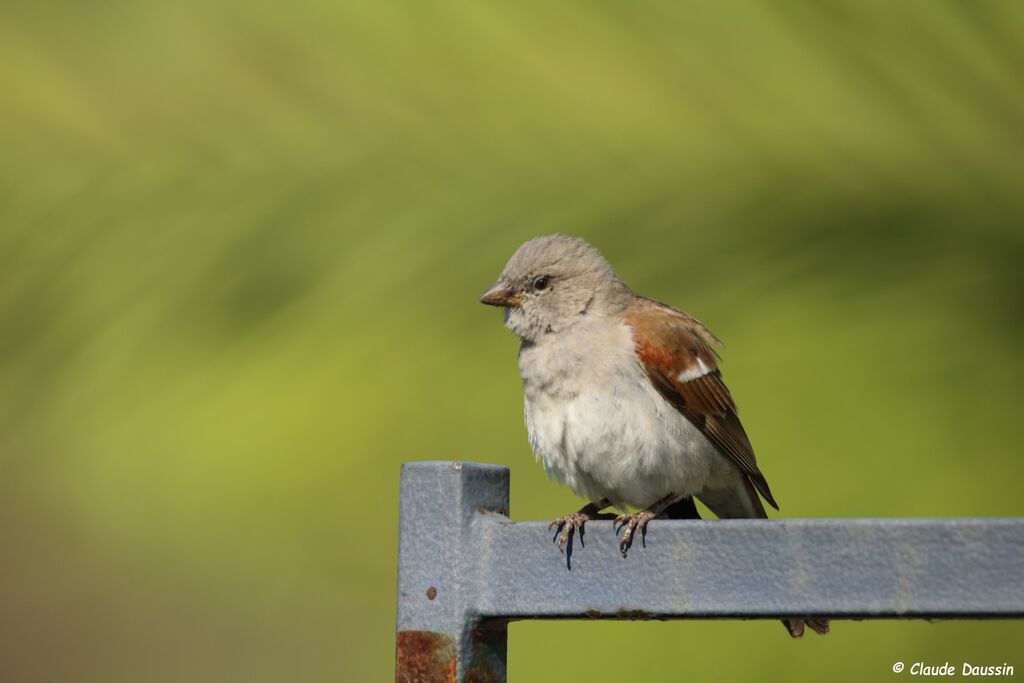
[879, 568]
[465, 570]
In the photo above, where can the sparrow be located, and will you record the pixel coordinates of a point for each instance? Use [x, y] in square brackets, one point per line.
[623, 398]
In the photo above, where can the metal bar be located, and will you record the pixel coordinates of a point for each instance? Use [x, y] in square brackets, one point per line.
[864, 568]
[465, 570]
[441, 634]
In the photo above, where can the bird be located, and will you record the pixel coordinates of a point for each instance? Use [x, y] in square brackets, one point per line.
[624, 401]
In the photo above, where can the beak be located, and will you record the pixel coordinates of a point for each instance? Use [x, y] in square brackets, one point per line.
[500, 295]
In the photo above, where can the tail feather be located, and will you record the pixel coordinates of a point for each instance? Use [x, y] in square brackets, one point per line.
[742, 501]
[818, 625]
[796, 626]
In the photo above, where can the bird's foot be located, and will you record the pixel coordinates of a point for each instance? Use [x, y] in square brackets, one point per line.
[631, 523]
[568, 525]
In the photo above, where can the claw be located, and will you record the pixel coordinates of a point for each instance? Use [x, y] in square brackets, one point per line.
[631, 523]
[568, 525]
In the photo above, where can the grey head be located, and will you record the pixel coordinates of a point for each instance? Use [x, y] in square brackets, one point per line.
[552, 283]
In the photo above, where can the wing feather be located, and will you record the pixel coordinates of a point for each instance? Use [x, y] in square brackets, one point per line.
[678, 353]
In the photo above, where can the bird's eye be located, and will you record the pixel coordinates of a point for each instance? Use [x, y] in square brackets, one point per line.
[541, 283]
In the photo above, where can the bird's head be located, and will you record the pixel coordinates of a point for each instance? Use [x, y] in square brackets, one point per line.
[551, 283]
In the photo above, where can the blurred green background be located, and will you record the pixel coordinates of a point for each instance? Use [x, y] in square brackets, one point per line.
[241, 245]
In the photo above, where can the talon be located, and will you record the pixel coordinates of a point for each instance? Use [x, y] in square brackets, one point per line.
[563, 540]
[568, 525]
[630, 523]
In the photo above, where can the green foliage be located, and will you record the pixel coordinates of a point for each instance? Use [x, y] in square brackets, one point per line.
[240, 250]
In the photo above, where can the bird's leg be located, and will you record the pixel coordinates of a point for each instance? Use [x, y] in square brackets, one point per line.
[576, 520]
[632, 522]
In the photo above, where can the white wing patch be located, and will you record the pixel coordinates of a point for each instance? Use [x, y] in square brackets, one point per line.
[693, 373]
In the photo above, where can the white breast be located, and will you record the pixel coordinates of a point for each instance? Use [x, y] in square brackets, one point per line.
[600, 426]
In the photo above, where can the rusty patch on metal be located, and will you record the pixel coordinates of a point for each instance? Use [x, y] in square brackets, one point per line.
[480, 674]
[424, 657]
[487, 664]
[431, 593]
[630, 614]
[638, 615]
[634, 614]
